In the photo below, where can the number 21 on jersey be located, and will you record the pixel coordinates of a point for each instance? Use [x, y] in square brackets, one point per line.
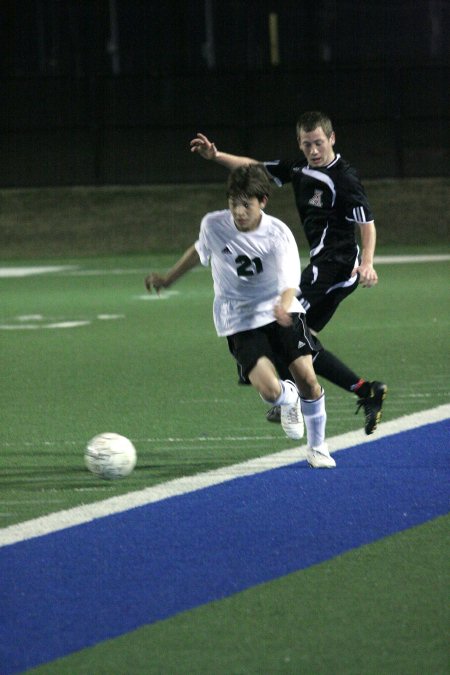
[247, 267]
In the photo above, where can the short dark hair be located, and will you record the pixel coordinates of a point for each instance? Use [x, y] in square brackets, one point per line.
[312, 119]
[250, 180]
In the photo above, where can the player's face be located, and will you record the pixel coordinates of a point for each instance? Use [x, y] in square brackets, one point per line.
[246, 212]
[316, 146]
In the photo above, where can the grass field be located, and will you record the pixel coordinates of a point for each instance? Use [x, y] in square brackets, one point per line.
[138, 367]
[85, 350]
[88, 221]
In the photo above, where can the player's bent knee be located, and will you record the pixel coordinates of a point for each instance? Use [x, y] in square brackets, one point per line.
[269, 388]
[310, 393]
[269, 393]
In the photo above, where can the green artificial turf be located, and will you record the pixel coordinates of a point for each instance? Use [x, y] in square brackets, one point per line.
[378, 610]
[158, 374]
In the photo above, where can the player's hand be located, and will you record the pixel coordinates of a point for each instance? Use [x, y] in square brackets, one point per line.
[154, 281]
[282, 316]
[367, 275]
[203, 146]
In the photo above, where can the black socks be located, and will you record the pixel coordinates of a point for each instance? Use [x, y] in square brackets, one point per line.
[329, 366]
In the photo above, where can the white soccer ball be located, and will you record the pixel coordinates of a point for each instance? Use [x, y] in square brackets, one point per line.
[110, 456]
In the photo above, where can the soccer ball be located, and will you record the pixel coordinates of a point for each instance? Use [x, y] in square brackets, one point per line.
[110, 456]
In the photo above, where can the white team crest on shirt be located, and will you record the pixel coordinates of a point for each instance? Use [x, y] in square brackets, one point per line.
[300, 344]
[316, 199]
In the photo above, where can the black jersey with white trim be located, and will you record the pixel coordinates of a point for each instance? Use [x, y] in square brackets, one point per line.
[330, 200]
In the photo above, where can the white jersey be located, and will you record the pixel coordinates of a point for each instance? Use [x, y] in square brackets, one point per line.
[250, 269]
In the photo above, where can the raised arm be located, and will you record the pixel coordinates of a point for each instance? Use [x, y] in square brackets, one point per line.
[188, 260]
[206, 149]
[368, 275]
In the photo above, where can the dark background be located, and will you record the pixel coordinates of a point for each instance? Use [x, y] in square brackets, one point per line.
[101, 92]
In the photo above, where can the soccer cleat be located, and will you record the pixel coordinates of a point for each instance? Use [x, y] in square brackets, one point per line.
[274, 414]
[372, 405]
[292, 420]
[320, 458]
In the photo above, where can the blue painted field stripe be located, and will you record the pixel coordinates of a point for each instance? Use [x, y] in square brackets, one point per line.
[76, 587]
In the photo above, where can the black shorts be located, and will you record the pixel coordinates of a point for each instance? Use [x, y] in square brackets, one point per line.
[323, 286]
[280, 344]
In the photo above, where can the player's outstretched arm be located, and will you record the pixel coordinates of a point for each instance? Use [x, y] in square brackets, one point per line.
[156, 281]
[207, 149]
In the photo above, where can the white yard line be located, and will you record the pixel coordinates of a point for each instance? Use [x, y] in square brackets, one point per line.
[179, 486]
[7, 272]
[77, 270]
[395, 259]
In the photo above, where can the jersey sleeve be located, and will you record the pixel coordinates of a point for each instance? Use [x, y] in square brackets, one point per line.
[279, 170]
[201, 245]
[357, 207]
[288, 261]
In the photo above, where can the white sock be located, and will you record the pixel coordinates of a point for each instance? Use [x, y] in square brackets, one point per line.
[288, 396]
[315, 417]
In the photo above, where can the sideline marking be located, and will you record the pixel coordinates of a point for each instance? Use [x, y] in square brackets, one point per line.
[388, 259]
[75, 270]
[41, 326]
[83, 514]
[7, 272]
[38, 322]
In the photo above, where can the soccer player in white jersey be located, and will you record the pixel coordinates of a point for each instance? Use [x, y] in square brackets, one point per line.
[256, 270]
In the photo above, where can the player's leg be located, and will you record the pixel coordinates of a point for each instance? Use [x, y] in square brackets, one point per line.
[312, 398]
[329, 287]
[371, 394]
[264, 378]
[283, 393]
[314, 414]
[252, 351]
[274, 413]
[322, 289]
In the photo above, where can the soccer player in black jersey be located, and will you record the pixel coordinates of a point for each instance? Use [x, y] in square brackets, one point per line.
[331, 202]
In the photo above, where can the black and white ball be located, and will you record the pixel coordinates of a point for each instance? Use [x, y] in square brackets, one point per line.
[110, 456]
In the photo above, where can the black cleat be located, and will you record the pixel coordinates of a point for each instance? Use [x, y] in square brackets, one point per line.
[274, 414]
[372, 405]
